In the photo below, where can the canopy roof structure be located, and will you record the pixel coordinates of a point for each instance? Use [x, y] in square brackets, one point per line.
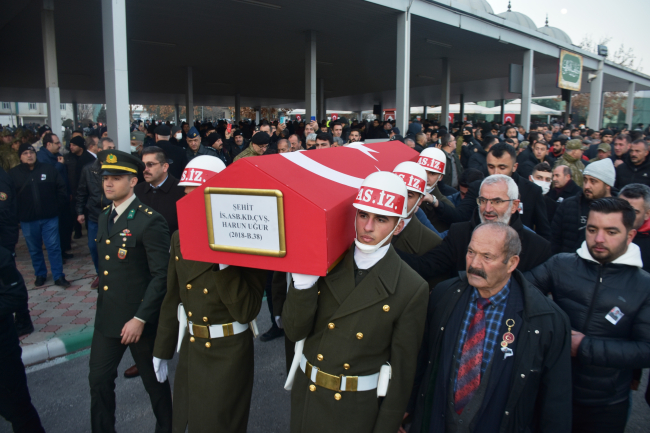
[514, 107]
[470, 108]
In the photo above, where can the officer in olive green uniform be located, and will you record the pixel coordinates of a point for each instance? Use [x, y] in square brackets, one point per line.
[133, 247]
[369, 311]
[214, 376]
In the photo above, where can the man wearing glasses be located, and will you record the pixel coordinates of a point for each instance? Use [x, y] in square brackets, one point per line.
[259, 144]
[498, 201]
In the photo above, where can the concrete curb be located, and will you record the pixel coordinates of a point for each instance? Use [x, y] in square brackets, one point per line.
[57, 346]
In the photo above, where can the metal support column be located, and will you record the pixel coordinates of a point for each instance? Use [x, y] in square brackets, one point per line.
[502, 104]
[594, 120]
[403, 65]
[425, 113]
[116, 73]
[75, 116]
[461, 114]
[237, 107]
[321, 114]
[310, 74]
[629, 112]
[527, 88]
[445, 92]
[566, 97]
[189, 98]
[51, 74]
[177, 114]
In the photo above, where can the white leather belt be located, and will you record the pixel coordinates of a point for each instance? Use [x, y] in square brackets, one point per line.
[216, 331]
[338, 383]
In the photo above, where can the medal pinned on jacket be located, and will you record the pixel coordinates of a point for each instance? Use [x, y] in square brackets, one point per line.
[121, 254]
[508, 338]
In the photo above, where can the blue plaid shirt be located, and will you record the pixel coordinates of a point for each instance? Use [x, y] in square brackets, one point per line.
[493, 318]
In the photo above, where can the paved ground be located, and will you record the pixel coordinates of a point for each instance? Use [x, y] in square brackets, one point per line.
[57, 311]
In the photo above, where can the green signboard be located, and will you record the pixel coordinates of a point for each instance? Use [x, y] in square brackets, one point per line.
[569, 75]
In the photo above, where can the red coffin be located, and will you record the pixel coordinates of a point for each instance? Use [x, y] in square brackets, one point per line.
[317, 188]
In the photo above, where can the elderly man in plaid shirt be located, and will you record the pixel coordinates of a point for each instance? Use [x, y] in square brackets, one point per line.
[496, 352]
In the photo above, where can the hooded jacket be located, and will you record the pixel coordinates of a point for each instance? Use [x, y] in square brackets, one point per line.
[628, 173]
[594, 295]
[414, 128]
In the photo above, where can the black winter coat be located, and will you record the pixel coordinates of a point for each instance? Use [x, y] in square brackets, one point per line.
[478, 161]
[8, 213]
[75, 164]
[41, 191]
[587, 291]
[537, 393]
[163, 199]
[176, 158]
[448, 258]
[554, 197]
[90, 196]
[628, 173]
[527, 162]
[568, 230]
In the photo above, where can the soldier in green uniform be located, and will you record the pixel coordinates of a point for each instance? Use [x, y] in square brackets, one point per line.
[360, 327]
[415, 238]
[133, 248]
[214, 376]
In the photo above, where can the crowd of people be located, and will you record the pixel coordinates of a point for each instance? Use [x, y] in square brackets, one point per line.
[507, 290]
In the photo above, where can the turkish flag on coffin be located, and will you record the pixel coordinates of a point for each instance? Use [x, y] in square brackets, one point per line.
[315, 212]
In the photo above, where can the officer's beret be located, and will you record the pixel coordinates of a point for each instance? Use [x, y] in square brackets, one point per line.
[162, 130]
[261, 138]
[192, 133]
[117, 162]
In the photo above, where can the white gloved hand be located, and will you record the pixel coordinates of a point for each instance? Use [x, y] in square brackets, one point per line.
[222, 267]
[302, 281]
[278, 321]
[160, 367]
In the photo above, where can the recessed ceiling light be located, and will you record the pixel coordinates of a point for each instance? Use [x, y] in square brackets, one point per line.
[258, 3]
[440, 44]
[160, 44]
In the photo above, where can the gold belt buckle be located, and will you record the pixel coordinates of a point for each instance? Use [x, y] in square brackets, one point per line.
[228, 330]
[200, 331]
[325, 380]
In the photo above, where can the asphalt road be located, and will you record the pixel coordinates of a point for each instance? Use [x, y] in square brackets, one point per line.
[61, 395]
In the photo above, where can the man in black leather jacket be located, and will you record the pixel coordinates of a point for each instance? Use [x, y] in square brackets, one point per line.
[604, 291]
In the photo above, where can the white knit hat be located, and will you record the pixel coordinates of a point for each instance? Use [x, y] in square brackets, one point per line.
[603, 170]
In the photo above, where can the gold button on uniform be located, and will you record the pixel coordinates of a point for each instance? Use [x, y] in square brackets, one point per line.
[192, 340]
[386, 308]
[105, 288]
[205, 291]
[207, 344]
[331, 326]
[312, 388]
[319, 357]
[123, 245]
[189, 286]
[346, 366]
[189, 314]
[107, 257]
[108, 241]
[176, 258]
[105, 272]
[205, 319]
[337, 396]
[359, 335]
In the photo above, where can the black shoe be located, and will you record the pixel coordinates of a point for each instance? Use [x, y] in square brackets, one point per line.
[67, 255]
[272, 333]
[62, 282]
[40, 281]
[24, 324]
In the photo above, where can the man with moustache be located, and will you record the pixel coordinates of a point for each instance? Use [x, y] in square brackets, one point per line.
[495, 355]
[498, 201]
[636, 166]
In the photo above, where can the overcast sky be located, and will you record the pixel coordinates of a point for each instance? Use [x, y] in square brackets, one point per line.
[625, 21]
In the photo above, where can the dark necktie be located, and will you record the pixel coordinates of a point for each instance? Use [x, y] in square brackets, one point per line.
[111, 219]
[471, 358]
